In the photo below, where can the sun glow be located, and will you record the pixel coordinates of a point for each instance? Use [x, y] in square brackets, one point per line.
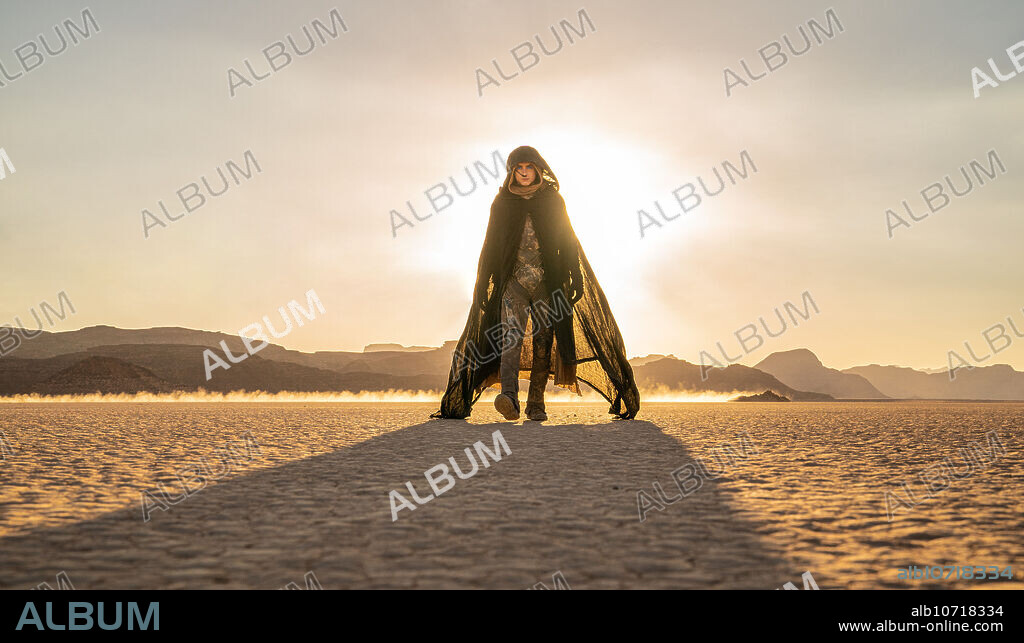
[604, 181]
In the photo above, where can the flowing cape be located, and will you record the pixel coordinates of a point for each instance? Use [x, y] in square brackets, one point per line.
[587, 345]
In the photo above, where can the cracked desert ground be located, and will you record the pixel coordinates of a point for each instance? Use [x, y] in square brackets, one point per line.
[316, 496]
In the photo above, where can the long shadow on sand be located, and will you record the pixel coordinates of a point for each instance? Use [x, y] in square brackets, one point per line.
[565, 500]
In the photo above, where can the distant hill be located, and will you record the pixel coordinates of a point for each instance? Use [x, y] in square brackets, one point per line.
[767, 396]
[680, 375]
[171, 358]
[996, 382]
[104, 375]
[182, 367]
[654, 357]
[49, 344]
[802, 368]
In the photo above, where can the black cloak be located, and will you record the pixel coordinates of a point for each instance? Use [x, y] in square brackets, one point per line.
[587, 345]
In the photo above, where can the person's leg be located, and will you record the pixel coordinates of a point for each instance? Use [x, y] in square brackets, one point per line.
[514, 309]
[543, 337]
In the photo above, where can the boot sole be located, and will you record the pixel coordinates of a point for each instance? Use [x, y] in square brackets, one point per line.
[504, 406]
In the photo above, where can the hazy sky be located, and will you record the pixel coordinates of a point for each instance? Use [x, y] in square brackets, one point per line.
[625, 115]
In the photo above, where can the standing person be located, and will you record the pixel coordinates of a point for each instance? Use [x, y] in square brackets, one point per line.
[524, 295]
[533, 274]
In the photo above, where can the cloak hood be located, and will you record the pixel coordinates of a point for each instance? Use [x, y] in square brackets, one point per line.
[587, 345]
[527, 154]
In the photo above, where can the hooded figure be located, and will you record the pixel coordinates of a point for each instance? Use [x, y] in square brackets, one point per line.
[587, 346]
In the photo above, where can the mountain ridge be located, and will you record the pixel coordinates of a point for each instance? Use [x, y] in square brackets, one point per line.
[174, 356]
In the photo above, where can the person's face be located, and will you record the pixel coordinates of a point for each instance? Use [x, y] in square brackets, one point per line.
[525, 174]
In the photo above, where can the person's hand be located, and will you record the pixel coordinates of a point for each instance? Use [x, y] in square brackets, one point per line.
[575, 288]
